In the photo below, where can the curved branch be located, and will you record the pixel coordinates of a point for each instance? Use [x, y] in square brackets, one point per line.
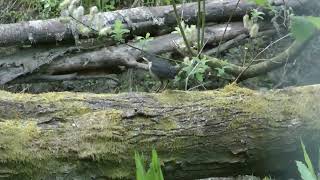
[263, 67]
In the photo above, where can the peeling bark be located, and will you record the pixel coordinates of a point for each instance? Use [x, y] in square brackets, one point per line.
[71, 60]
[228, 132]
[139, 20]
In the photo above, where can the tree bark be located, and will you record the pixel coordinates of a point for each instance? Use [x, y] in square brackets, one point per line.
[66, 60]
[228, 132]
[139, 20]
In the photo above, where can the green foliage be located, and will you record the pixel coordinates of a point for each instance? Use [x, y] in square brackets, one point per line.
[264, 3]
[192, 69]
[69, 8]
[256, 15]
[144, 40]
[110, 5]
[260, 2]
[103, 5]
[118, 31]
[307, 159]
[154, 172]
[306, 171]
[190, 32]
[140, 171]
[164, 2]
[22, 10]
[314, 20]
[167, 1]
[251, 24]
[49, 8]
[302, 28]
[221, 71]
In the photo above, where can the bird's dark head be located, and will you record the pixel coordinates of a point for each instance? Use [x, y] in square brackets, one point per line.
[160, 68]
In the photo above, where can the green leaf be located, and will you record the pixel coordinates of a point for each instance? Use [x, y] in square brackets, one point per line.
[263, 3]
[301, 28]
[156, 165]
[140, 172]
[314, 20]
[199, 77]
[307, 160]
[167, 1]
[304, 171]
[221, 72]
[46, 5]
[154, 172]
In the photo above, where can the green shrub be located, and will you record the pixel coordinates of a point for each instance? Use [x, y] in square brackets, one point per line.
[154, 172]
[306, 171]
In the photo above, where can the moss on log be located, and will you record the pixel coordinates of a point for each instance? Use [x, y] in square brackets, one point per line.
[232, 131]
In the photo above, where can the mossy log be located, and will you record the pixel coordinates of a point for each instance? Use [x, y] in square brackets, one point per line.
[227, 132]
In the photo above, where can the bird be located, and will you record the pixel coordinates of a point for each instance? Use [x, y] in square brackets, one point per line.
[160, 69]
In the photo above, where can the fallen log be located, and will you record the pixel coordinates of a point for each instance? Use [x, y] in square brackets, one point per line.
[228, 132]
[139, 20]
[65, 61]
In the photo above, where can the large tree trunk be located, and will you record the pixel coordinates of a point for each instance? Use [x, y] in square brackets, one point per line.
[197, 134]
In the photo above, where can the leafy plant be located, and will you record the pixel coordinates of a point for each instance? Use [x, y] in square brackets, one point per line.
[192, 69]
[103, 5]
[189, 31]
[304, 27]
[154, 172]
[181, 28]
[49, 8]
[264, 3]
[256, 15]
[118, 31]
[306, 171]
[69, 8]
[144, 40]
[221, 71]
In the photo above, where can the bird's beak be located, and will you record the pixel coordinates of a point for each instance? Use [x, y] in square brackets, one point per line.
[144, 58]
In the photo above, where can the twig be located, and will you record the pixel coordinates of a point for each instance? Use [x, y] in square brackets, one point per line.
[190, 89]
[152, 54]
[135, 3]
[202, 48]
[78, 21]
[198, 26]
[253, 60]
[187, 79]
[227, 44]
[225, 30]
[181, 28]
[203, 16]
